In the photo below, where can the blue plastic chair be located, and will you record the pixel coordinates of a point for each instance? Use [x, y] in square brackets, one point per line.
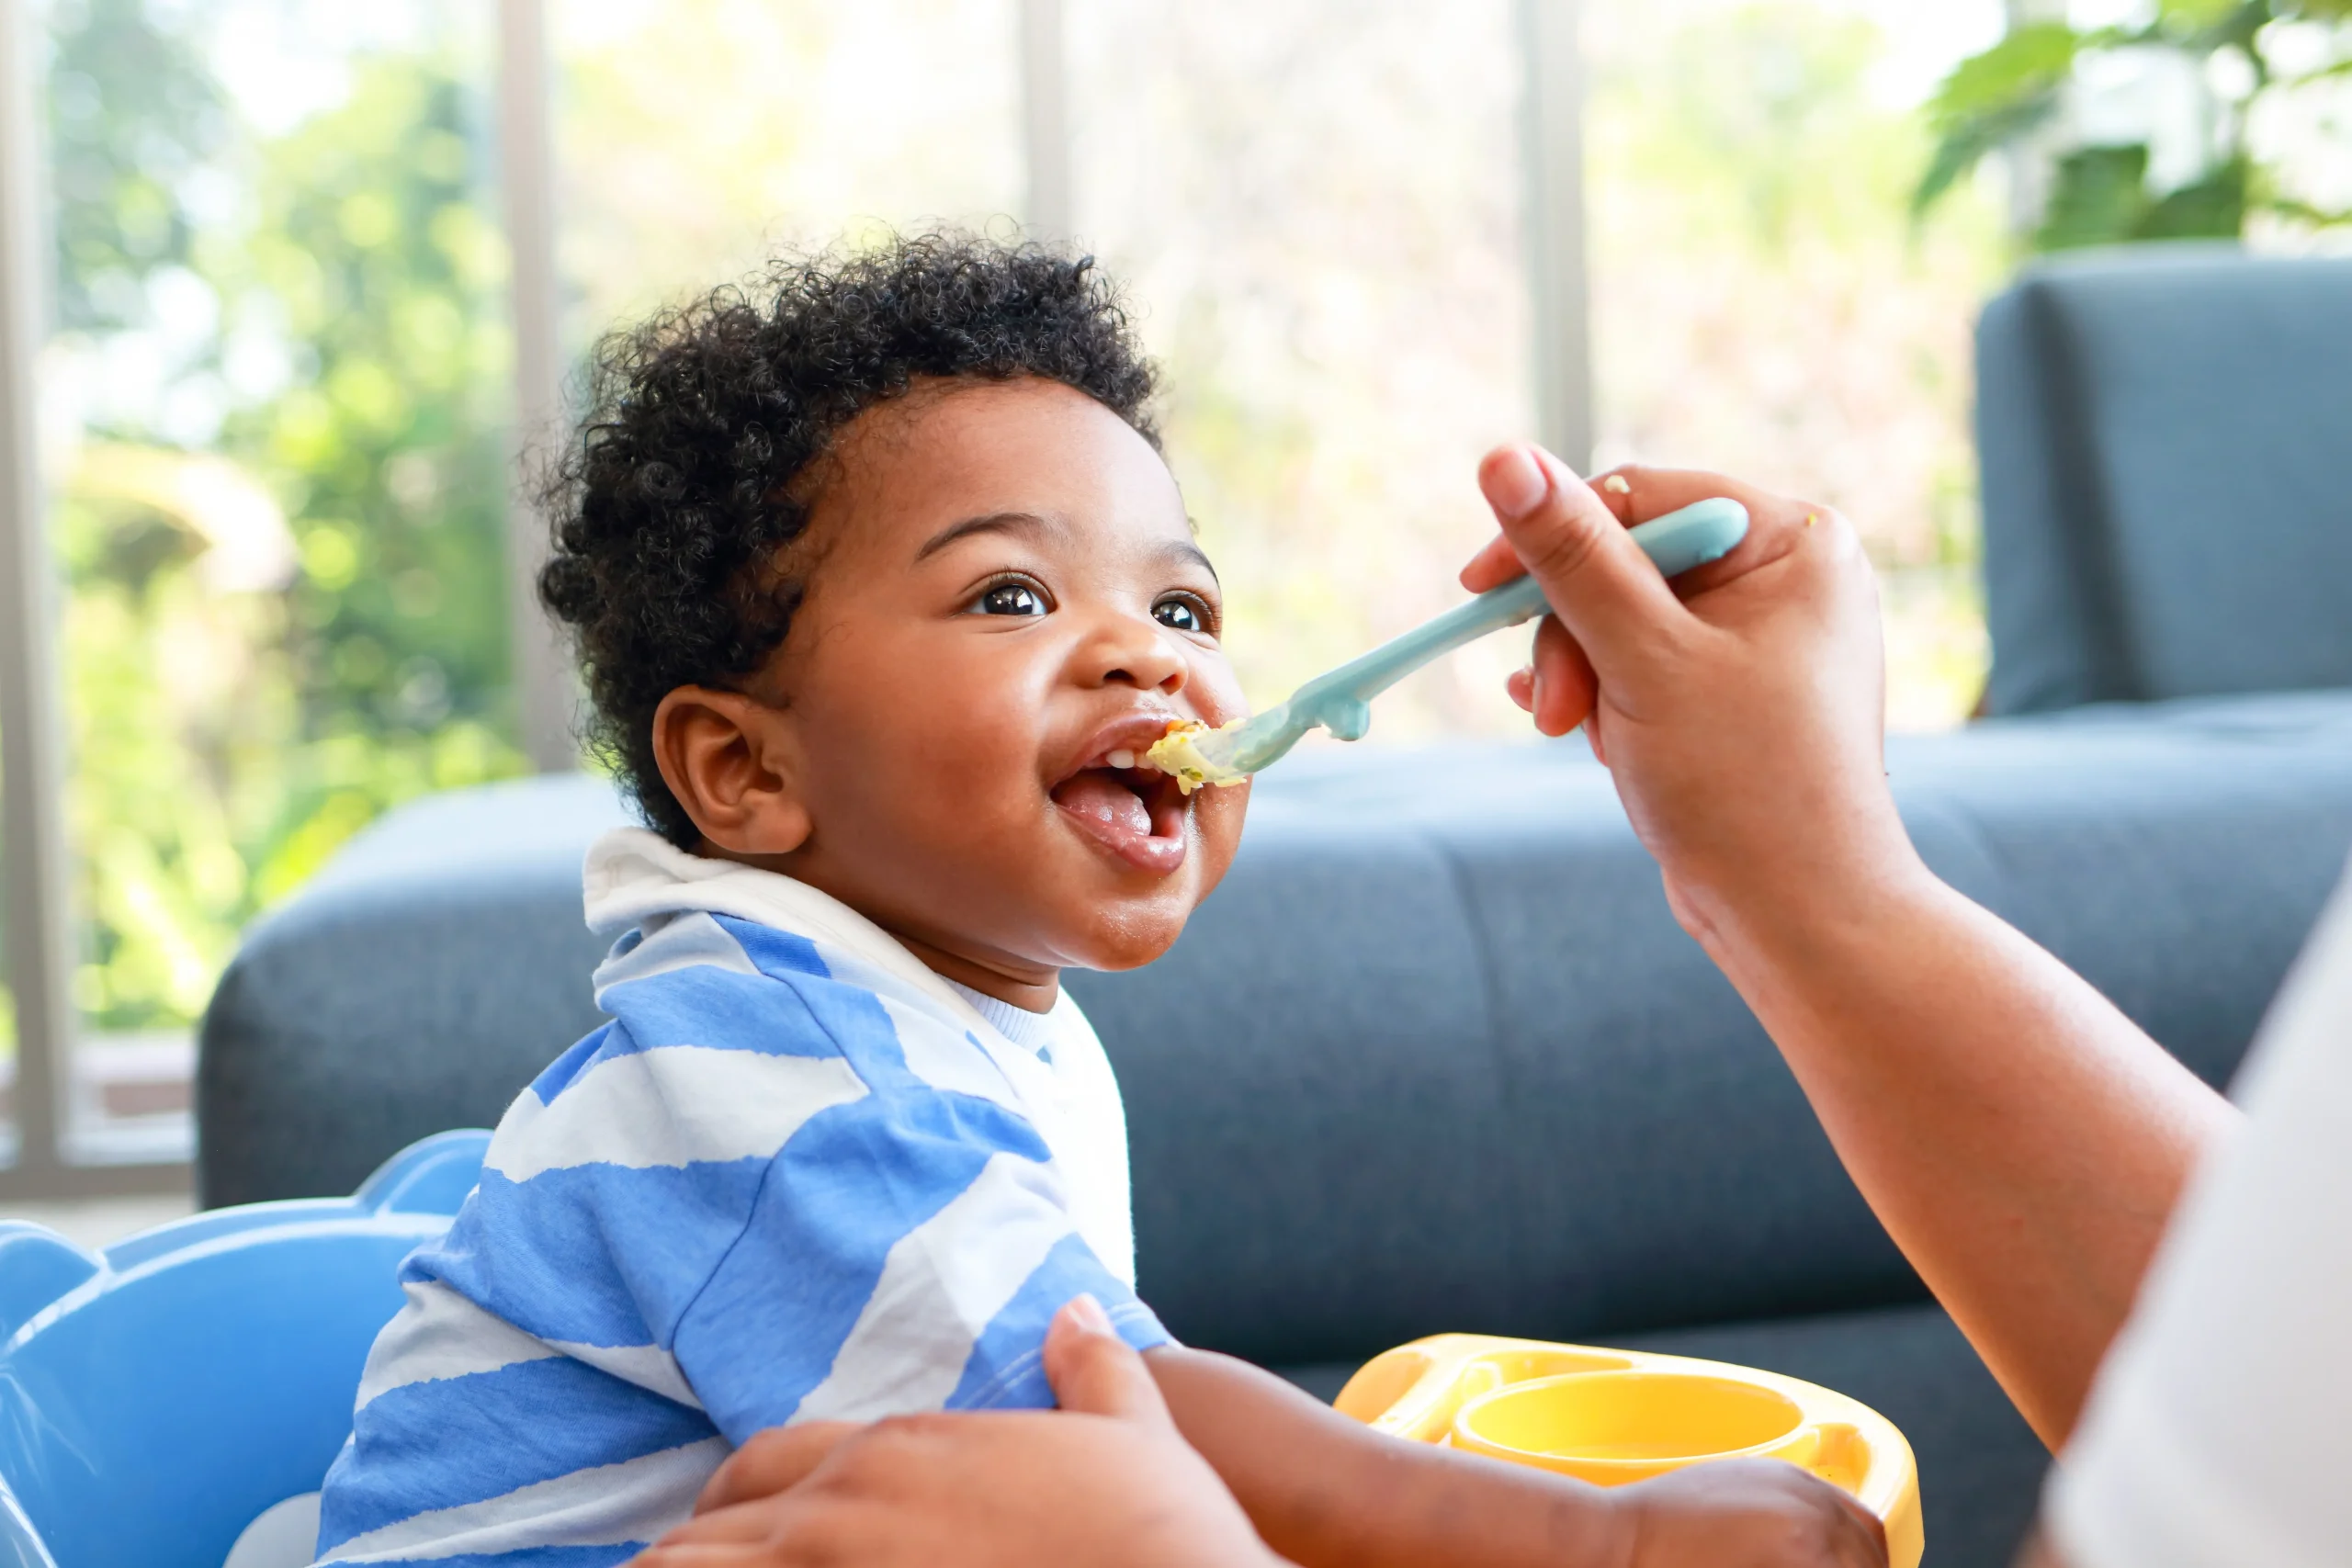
[157, 1400]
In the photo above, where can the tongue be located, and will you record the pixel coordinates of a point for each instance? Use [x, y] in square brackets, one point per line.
[1111, 807]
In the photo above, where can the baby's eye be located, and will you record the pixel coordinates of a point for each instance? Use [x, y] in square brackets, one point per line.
[1182, 612]
[1010, 599]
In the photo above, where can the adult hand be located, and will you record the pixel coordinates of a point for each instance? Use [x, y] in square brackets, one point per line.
[1748, 1514]
[1740, 709]
[1103, 1481]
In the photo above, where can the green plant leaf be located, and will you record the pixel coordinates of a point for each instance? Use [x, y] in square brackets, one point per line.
[2338, 68]
[2027, 64]
[2305, 212]
[2212, 209]
[2098, 196]
[1965, 144]
[1991, 99]
[2202, 12]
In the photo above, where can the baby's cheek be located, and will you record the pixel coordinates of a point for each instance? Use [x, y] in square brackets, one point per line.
[1217, 814]
[1216, 693]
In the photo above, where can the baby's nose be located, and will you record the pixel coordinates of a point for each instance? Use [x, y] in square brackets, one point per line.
[1142, 656]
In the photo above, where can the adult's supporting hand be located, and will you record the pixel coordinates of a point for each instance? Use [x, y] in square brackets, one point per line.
[2021, 1140]
[1105, 1480]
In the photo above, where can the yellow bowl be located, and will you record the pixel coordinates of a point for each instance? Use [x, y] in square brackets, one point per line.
[1614, 1417]
[1611, 1428]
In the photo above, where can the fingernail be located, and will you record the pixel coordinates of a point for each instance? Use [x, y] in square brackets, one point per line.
[1088, 1315]
[1535, 693]
[1514, 483]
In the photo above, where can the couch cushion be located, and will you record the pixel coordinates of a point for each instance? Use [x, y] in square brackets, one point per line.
[2165, 436]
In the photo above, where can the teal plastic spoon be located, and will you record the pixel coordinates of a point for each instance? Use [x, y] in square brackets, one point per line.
[1340, 700]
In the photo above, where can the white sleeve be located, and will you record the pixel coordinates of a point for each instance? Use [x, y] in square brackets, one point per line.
[2220, 1431]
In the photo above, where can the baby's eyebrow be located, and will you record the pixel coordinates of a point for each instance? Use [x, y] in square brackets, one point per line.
[994, 522]
[1190, 554]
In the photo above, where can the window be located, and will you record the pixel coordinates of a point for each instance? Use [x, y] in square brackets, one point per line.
[272, 378]
[683, 165]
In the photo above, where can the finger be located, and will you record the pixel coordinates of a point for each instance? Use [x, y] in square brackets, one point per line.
[1564, 688]
[1520, 687]
[1776, 523]
[663, 1556]
[737, 1525]
[1095, 1371]
[1615, 489]
[773, 1461]
[1496, 563]
[1597, 580]
[798, 1549]
[1868, 1525]
[1653, 492]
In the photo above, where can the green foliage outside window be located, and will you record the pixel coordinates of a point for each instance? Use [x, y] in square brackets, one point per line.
[286, 602]
[2100, 193]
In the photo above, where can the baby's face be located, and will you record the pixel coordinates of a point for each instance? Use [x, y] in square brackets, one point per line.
[1002, 592]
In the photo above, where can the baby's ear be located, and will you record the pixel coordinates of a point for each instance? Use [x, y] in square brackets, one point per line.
[727, 758]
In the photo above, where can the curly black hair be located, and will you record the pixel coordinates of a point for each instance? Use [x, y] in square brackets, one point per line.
[669, 506]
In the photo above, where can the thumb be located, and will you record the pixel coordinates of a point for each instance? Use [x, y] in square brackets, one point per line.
[1599, 583]
[1094, 1372]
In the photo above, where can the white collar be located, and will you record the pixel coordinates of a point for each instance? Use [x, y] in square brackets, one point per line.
[634, 874]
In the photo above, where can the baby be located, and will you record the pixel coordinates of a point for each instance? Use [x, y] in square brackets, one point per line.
[880, 586]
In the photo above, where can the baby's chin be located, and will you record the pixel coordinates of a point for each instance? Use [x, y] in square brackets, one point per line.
[1130, 924]
[1125, 933]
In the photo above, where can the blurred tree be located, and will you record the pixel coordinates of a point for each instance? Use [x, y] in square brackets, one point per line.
[281, 526]
[132, 114]
[2100, 191]
[370, 250]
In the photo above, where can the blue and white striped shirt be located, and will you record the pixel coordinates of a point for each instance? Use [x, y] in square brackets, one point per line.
[798, 1177]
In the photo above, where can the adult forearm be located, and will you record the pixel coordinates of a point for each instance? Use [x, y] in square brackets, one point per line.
[2023, 1142]
[1323, 1490]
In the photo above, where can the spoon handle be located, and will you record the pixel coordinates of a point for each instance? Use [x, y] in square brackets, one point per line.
[1676, 543]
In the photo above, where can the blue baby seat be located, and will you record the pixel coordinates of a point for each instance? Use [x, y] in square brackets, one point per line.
[156, 1401]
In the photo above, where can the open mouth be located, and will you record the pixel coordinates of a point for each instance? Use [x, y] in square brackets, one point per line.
[1135, 813]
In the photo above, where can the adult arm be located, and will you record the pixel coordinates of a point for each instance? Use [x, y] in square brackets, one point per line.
[1116, 1478]
[2021, 1140]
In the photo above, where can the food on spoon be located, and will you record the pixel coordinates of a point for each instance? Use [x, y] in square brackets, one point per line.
[1179, 752]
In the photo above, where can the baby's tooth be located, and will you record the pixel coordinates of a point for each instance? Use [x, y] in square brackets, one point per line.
[1121, 758]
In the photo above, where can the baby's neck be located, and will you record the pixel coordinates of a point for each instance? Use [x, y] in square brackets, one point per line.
[1033, 988]
[1030, 989]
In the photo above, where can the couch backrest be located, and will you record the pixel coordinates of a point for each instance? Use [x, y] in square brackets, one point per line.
[2166, 434]
[1445, 1060]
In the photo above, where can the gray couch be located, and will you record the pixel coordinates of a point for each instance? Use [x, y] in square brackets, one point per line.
[2166, 434]
[1461, 1070]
